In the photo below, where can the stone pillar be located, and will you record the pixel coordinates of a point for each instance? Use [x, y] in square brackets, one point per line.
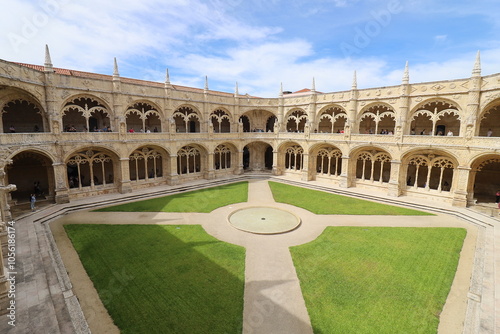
[460, 181]
[210, 170]
[345, 177]
[304, 176]
[125, 185]
[61, 185]
[239, 163]
[174, 176]
[4, 283]
[468, 127]
[396, 181]
[276, 170]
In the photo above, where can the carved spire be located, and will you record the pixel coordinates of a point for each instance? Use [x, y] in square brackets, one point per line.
[313, 89]
[281, 89]
[476, 72]
[116, 74]
[406, 75]
[354, 81]
[206, 83]
[236, 93]
[167, 78]
[48, 62]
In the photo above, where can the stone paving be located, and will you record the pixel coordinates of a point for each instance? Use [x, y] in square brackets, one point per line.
[273, 300]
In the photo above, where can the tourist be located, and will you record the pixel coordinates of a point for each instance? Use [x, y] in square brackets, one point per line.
[36, 128]
[412, 132]
[131, 130]
[489, 133]
[422, 132]
[32, 202]
[497, 199]
[450, 133]
[155, 129]
[12, 129]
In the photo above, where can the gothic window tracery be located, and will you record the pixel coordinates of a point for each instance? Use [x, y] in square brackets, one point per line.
[378, 119]
[145, 164]
[436, 118]
[143, 117]
[85, 114]
[332, 120]
[294, 158]
[329, 161]
[373, 166]
[186, 120]
[90, 168]
[188, 160]
[296, 121]
[221, 121]
[21, 115]
[222, 157]
[429, 171]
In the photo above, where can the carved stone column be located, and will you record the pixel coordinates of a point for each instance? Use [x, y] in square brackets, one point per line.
[346, 178]
[305, 168]
[125, 185]
[61, 185]
[396, 180]
[460, 181]
[276, 169]
[173, 177]
[210, 175]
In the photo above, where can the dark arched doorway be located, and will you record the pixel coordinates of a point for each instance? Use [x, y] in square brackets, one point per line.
[32, 173]
[258, 156]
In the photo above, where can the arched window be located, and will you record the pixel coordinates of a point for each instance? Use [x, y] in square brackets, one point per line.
[21, 116]
[490, 123]
[430, 172]
[379, 119]
[220, 121]
[438, 118]
[294, 158]
[85, 114]
[188, 160]
[142, 117]
[222, 157]
[145, 164]
[332, 120]
[296, 121]
[186, 120]
[373, 166]
[89, 169]
[329, 161]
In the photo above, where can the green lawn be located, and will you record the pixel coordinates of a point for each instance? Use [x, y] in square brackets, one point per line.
[376, 279]
[323, 203]
[164, 279]
[203, 200]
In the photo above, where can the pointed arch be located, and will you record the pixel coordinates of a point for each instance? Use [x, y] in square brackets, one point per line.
[437, 117]
[221, 120]
[296, 120]
[331, 119]
[187, 119]
[378, 118]
[85, 113]
[143, 116]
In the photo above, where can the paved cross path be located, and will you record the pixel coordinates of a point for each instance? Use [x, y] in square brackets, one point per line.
[273, 299]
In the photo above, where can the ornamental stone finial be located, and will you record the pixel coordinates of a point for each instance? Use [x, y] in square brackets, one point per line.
[281, 89]
[48, 62]
[167, 78]
[115, 69]
[206, 83]
[476, 71]
[236, 93]
[406, 75]
[354, 81]
[313, 89]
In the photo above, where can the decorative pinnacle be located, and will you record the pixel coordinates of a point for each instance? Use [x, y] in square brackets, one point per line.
[406, 75]
[281, 89]
[236, 89]
[206, 82]
[167, 78]
[476, 72]
[313, 89]
[48, 61]
[354, 81]
[115, 69]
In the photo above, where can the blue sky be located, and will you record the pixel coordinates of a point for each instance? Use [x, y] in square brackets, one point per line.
[259, 43]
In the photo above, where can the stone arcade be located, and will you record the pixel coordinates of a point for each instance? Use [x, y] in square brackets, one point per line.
[70, 134]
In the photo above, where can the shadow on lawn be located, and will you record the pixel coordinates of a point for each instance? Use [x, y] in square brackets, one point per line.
[174, 279]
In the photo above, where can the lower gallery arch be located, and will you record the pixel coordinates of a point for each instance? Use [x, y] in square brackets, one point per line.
[258, 156]
[429, 171]
[191, 162]
[484, 179]
[92, 169]
[327, 160]
[32, 172]
[148, 164]
[373, 166]
[292, 157]
[225, 159]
